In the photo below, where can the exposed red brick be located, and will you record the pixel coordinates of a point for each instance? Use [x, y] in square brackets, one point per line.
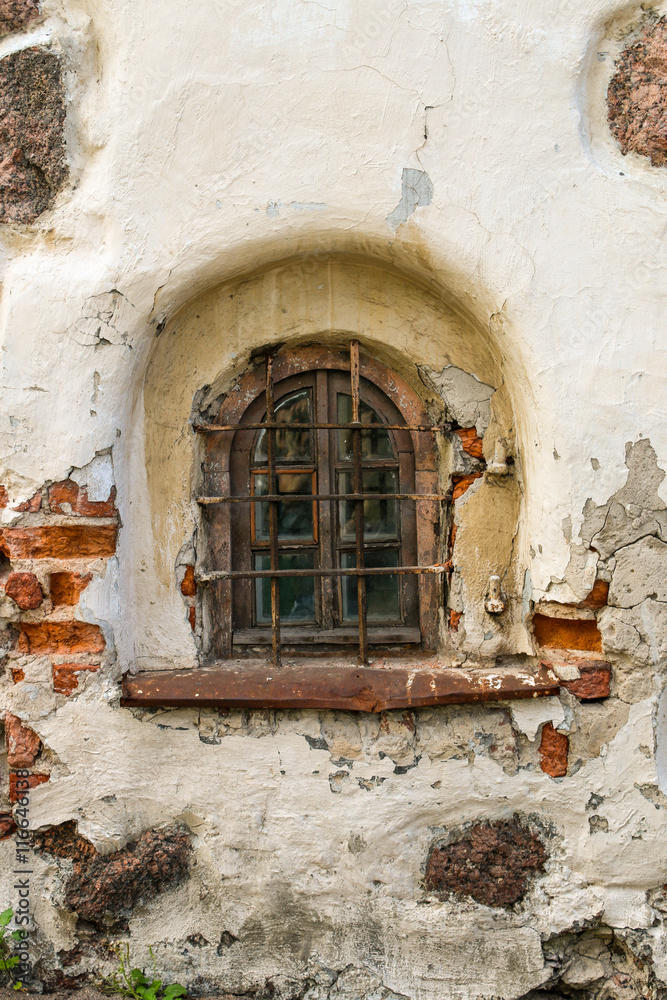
[192, 618]
[598, 596]
[492, 862]
[60, 637]
[66, 588]
[30, 506]
[461, 483]
[593, 683]
[15, 15]
[189, 584]
[7, 826]
[68, 492]
[23, 745]
[4, 497]
[567, 633]
[454, 619]
[65, 679]
[553, 751]
[69, 541]
[24, 590]
[637, 94]
[470, 442]
[17, 787]
[18, 674]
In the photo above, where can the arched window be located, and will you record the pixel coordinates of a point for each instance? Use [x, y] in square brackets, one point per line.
[348, 469]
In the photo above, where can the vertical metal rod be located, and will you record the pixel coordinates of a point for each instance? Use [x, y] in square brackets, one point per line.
[358, 504]
[273, 514]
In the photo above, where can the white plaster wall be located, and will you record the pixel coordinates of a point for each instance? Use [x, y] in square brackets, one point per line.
[210, 139]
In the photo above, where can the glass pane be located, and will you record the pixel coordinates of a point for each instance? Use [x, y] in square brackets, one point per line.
[382, 592]
[297, 594]
[375, 442]
[291, 445]
[295, 520]
[380, 516]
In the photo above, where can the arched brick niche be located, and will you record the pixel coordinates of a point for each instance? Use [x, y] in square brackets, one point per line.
[203, 364]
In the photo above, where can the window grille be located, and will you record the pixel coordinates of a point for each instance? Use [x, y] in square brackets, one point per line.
[273, 498]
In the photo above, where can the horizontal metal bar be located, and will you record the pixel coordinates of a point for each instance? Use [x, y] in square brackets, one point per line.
[272, 425]
[311, 497]
[258, 574]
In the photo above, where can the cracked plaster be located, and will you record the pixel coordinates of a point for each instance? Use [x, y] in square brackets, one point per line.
[537, 268]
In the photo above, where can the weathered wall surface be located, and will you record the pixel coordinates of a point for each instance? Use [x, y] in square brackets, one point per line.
[475, 190]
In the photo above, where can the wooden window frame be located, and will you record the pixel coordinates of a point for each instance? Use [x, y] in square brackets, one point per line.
[221, 472]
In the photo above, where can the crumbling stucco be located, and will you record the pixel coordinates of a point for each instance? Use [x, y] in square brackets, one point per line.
[525, 272]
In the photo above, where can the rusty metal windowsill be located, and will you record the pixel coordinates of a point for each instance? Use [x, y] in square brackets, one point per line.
[316, 685]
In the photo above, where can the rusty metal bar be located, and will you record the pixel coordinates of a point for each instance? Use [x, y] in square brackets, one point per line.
[357, 460]
[347, 687]
[273, 516]
[273, 425]
[257, 574]
[311, 497]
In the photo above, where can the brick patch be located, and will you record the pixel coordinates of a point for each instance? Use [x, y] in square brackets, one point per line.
[189, 584]
[17, 785]
[553, 751]
[462, 483]
[66, 588]
[593, 683]
[65, 676]
[23, 745]
[68, 498]
[567, 633]
[60, 638]
[24, 590]
[7, 826]
[598, 596]
[470, 442]
[70, 541]
[30, 506]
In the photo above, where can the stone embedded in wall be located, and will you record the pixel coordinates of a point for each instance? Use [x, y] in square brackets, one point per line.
[67, 497]
[637, 94]
[64, 841]
[491, 862]
[104, 890]
[66, 588]
[15, 15]
[33, 167]
[23, 745]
